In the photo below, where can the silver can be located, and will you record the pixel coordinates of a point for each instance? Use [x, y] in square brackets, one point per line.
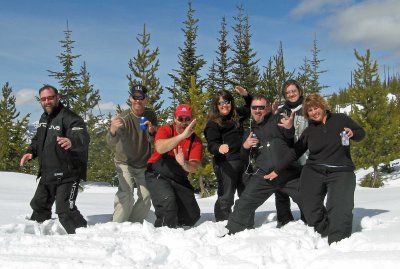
[345, 139]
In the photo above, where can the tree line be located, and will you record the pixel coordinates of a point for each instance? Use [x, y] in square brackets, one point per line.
[235, 63]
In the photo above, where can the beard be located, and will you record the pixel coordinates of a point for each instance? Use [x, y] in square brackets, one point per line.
[49, 108]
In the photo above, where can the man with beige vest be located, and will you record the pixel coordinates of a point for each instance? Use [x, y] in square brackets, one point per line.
[132, 141]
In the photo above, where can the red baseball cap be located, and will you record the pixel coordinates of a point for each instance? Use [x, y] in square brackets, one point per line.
[183, 110]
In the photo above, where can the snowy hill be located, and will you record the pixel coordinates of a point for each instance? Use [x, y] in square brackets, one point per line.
[375, 242]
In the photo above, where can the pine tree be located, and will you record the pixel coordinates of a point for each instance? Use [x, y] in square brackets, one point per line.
[340, 100]
[68, 79]
[223, 63]
[79, 95]
[204, 178]
[281, 75]
[212, 86]
[268, 84]
[101, 165]
[376, 114]
[189, 63]
[315, 63]
[12, 132]
[144, 67]
[304, 77]
[218, 76]
[245, 70]
[86, 97]
[97, 126]
[393, 85]
[274, 76]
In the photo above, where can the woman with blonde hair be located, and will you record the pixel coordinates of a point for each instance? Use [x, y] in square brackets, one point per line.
[329, 169]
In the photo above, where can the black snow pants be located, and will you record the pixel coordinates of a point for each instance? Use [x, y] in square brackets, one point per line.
[336, 218]
[229, 178]
[64, 194]
[174, 203]
[257, 191]
[283, 212]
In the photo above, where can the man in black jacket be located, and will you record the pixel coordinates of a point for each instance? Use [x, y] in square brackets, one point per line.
[269, 145]
[61, 145]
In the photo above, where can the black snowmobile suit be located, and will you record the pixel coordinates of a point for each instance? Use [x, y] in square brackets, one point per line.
[55, 163]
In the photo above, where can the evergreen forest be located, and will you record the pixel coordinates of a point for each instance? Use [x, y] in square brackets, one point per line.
[374, 100]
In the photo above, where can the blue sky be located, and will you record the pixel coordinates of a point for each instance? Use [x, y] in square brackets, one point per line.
[105, 36]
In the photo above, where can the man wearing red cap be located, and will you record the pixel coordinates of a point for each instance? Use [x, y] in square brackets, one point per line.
[178, 152]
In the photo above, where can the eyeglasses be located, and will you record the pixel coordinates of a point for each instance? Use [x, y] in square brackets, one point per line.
[138, 97]
[224, 103]
[258, 107]
[184, 119]
[291, 91]
[48, 98]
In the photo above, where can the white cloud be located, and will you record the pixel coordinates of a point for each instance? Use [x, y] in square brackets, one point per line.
[316, 6]
[26, 96]
[372, 23]
[110, 107]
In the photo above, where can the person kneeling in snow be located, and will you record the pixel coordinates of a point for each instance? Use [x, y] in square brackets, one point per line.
[178, 152]
[61, 145]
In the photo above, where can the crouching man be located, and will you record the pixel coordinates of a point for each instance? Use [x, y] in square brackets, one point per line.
[178, 152]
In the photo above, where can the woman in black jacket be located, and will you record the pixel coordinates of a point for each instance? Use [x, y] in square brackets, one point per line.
[329, 169]
[223, 132]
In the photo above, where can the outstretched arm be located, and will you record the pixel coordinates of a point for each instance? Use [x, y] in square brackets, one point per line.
[77, 137]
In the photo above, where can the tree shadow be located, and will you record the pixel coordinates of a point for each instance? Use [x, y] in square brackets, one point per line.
[104, 218]
[260, 218]
[360, 213]
[94, 219]
[204, 217]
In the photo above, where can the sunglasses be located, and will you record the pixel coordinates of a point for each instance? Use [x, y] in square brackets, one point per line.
[184, 119]
[224, 103]
[48, 98]
[258, 107]
[138, 97]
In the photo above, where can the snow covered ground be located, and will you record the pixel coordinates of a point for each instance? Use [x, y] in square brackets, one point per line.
[375, 242]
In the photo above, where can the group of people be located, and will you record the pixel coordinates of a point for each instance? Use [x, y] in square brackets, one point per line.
[293, 151]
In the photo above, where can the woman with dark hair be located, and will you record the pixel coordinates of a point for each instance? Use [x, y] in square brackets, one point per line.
[223, 132]
[329, 169]
[293, 94]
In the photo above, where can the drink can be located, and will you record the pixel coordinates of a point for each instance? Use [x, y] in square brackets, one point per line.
[345, 139]
[254, 136]
[142, 125]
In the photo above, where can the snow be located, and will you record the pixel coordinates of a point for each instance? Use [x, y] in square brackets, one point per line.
[375, 242]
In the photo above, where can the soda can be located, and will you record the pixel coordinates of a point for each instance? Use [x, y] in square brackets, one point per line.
[345, 138]
[254, 136]
[142, 125]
